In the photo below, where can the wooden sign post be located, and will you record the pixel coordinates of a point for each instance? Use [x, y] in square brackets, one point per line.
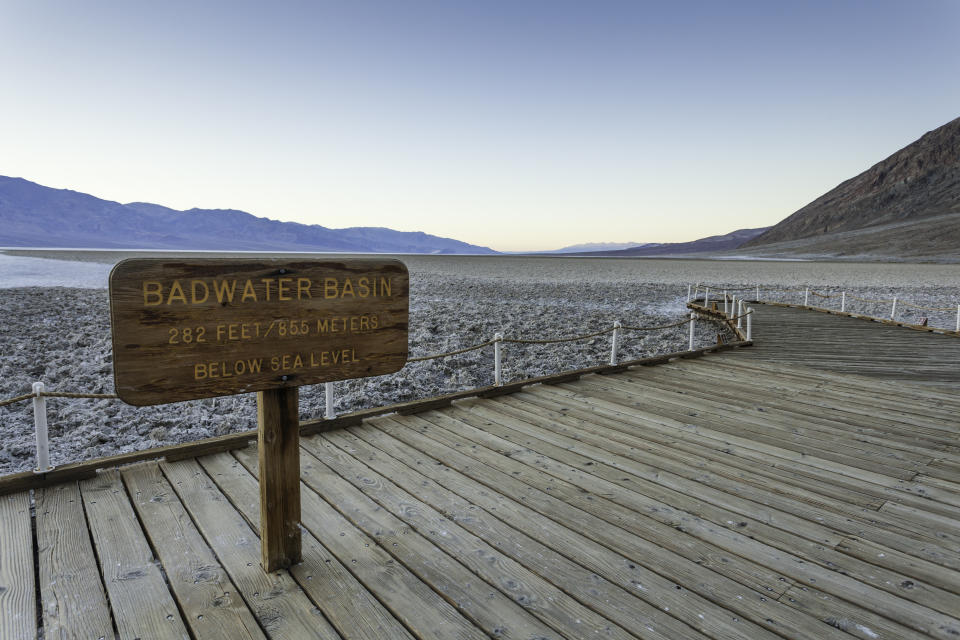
[184, 330]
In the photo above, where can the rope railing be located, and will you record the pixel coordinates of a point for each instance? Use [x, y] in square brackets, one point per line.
[723, 292]
[40, 394]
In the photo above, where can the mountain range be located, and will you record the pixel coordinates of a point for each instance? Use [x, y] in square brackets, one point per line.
[905, 207]
[36, 216]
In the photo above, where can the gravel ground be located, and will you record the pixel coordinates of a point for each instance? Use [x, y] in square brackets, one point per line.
[61, 335]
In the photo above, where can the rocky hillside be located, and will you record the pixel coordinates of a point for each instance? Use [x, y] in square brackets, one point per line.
[915, 188]
[32, 215]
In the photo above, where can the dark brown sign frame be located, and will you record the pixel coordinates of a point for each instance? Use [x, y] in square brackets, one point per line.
[189, 329]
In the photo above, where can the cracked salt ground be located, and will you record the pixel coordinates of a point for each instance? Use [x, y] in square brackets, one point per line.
[73, 353]
[61, 336]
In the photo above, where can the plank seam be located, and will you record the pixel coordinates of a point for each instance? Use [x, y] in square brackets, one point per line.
[155, 557]
[364, 583]
[96, 558]
[213, 551]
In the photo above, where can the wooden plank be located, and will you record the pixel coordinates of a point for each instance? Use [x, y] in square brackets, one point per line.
[823, 489]
[353, 609]
[572, 422]
[764, 419]
[618, 604]
[841, 344]
[847, 616]
[608, 404]
[575, 511]
[278, 413]
[907, 566]
[725, 383]
[428, 613]
[208, 327]
[478, 601]
[210, 602]
[141, 604]
[854, 401]
[846, 391]
[18, 600]
[838, 522]
[545, 610]
[758, 430]
[782, 553]
[275, 599]
[71, 590]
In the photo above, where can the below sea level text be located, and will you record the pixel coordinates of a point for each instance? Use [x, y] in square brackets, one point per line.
[284, 363]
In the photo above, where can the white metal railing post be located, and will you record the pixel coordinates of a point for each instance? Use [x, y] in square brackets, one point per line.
[893, 309]
[806, 296]
[330, 412]
[497, 337]
[689, 291]
[693, 317]
[758, 293]
[706, 297]
[615, 342]
[958, 318]
[749, 324]
[725, 302]
[739, 312]
[843, 301]
[40, 427]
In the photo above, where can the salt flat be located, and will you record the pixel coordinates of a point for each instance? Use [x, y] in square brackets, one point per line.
[55, 329]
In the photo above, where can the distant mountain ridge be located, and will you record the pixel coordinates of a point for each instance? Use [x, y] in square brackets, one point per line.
[32, 215]
[710, 244]
[600, 246]
[907, 205]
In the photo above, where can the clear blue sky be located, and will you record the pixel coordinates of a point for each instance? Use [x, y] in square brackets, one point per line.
[520, 124]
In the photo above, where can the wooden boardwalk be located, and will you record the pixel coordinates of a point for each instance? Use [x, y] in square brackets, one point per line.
[796, 336]
[725, 497]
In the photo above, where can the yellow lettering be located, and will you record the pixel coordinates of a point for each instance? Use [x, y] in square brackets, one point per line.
[323, 325]
[274, 363]
[329, 287]
[374, 322]
[363, 287]
[176, 293]
[267, 281]
[385, 286]
[298, 362]
[347, 288]
[248, 292]
[152, 293]
[224, 290]
[193, 291]
[254, 365]
[303, 287]
[199, 371]
[283, 292]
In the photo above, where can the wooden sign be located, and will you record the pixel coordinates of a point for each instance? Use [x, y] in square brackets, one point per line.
[200, 328]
